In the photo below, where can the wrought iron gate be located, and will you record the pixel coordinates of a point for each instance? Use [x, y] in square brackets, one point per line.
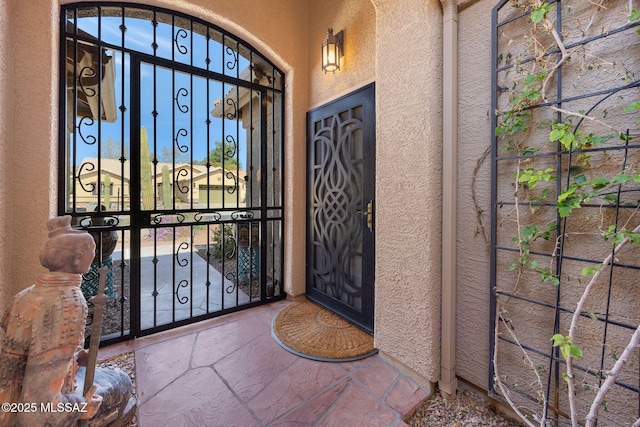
[170, 155]
[544, 247]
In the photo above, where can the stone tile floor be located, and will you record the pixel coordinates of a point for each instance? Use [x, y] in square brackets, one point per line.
[229, 371]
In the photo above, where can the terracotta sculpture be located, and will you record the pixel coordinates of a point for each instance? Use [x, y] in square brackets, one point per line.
[44, 333]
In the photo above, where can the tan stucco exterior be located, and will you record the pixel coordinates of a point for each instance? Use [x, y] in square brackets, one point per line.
[6, 119]
[396, 44]
[358, 66]
[474, 129]
[408, 134]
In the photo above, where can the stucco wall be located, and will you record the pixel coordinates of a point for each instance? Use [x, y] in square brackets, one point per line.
[5, 127]
[276, 28]
[474, 136]
[408, 184]
[32, 97]
[357, 67]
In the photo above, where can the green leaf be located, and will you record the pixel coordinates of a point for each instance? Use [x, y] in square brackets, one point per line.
[567, 193]
[632, 107]
[567, 139]
[557, 339]
[539, 13]
[633, 237]
[618, 238]
[622, 178]
[575, 351]
[556, 134]
[566, 347]
[580, 179]
[589, 271]
[625, 137]
[564, 211]
[575, 169]
[600, 183]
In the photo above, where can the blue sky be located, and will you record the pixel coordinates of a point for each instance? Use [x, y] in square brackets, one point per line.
[186, 121]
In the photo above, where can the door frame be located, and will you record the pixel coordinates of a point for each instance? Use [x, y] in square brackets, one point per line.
[365, 97]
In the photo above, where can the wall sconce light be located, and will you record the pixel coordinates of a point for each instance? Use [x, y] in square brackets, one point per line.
[332, 50]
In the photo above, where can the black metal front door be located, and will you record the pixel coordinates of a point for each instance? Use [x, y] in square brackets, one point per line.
[341, 206]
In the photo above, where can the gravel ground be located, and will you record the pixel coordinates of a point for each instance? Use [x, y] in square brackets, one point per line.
[467, 410]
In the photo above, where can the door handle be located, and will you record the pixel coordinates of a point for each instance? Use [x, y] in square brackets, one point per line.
[369, 214]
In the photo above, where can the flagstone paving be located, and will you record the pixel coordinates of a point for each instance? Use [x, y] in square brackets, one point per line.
[229, 371]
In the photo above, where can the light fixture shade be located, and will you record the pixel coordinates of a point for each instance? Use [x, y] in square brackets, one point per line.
[330, 53]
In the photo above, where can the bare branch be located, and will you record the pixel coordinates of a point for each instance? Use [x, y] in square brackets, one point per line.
[593, 16]
[576, 316]
[501, 386]
[611, 378]
[474, 195]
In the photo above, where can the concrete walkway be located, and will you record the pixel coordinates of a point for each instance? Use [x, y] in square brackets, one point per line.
[178, 287]
[229, 371]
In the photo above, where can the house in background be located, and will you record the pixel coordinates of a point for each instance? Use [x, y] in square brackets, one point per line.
[189, 183]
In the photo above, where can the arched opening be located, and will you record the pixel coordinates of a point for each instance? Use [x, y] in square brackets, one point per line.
[171, 153]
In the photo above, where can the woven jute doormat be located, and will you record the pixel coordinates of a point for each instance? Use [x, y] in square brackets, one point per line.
[309, 330]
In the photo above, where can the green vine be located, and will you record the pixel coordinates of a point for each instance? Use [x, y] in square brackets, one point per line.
[585, 185]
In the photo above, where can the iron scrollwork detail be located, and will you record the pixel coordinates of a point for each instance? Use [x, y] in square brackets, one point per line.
[232, 188]
[232, 115]
[211, 216]
[184, 108]
[232, 63]
[89, 139]
[184, 261]
[162, 218]
[182, 299]
[242, 215]
[182, 33]
[184, 189]
[182, 132]
[87, 73]
[91, 187]
[230, 276]
[233, 149]
[104, 221]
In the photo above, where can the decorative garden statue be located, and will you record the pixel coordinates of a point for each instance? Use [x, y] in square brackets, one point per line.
[44, 333]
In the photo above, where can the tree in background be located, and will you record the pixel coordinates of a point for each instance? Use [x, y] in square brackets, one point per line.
[107, 191]
[111, 149]
[146, 186]
[223, 152]
[166, 188]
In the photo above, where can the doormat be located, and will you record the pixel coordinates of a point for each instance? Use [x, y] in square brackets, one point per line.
[309, 330]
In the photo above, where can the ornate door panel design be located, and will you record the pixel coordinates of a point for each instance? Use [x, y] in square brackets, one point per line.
[340, 206]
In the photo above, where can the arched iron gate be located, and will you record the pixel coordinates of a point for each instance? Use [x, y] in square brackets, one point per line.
[171, 149]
